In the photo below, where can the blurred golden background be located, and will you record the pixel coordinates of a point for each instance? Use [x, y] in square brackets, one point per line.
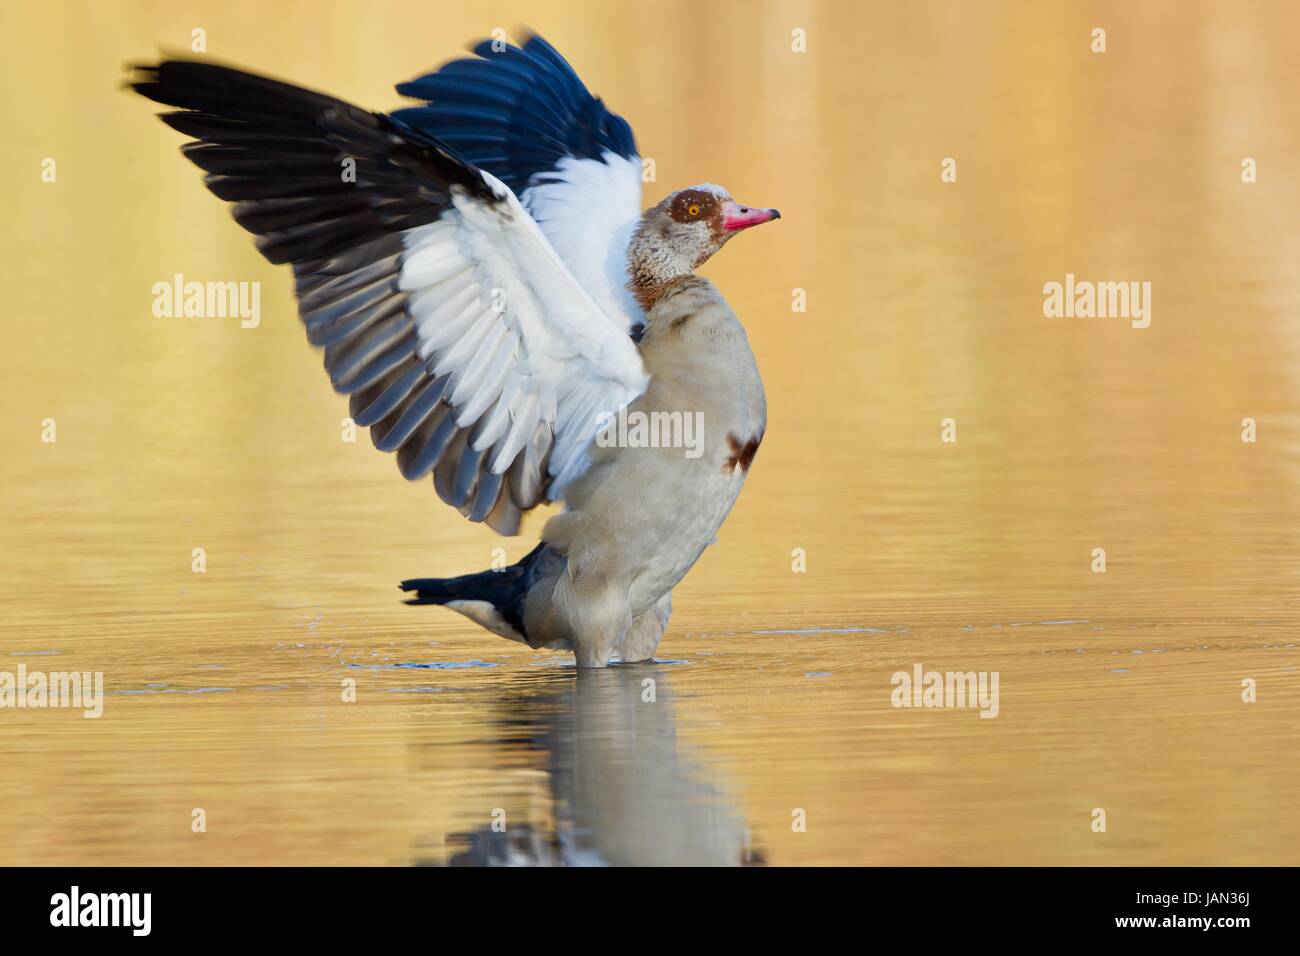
[924, 300]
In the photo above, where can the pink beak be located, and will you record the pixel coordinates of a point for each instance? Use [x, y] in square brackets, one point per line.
[736, 217]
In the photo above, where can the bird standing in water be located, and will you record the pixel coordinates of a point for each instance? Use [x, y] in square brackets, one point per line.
[488, 292]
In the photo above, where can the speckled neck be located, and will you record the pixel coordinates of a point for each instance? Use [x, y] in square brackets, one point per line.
[655, 263]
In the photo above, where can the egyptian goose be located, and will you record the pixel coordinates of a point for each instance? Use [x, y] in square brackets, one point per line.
[490, 295]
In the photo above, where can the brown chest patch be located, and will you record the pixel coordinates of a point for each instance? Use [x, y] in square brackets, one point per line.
[742, 454]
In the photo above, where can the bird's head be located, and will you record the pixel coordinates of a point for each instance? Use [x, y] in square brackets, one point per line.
[676, 237]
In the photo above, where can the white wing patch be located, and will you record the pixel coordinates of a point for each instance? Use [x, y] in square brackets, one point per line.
[588, 209]
[527, 352]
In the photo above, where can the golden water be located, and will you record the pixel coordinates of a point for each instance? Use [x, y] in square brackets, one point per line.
[1120, 691]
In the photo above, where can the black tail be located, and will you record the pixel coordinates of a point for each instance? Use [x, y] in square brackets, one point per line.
[503, 588]
[496, 587]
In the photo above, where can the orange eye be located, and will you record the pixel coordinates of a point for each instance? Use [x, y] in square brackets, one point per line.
[693, 209]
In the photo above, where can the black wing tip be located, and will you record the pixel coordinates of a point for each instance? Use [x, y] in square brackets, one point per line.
[167, 69]
[190, 83]
[147, 71]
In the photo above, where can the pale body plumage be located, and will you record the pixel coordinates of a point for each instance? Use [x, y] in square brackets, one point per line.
[639, 518]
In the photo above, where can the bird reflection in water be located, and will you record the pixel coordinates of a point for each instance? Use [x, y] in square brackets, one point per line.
[621, 791]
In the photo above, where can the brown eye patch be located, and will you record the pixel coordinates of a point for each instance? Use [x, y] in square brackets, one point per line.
[693, 205]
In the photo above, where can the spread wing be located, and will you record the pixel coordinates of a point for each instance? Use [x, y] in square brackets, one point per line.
[523, 115]
[463, 340]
